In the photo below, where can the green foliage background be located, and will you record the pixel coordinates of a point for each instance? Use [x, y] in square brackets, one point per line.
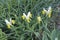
[28, 31]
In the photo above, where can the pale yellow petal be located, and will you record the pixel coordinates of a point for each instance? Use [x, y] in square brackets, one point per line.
[8, 26]
[39, 19]
[23, 17]
[49, 15]
[43, 12]
[13, 21]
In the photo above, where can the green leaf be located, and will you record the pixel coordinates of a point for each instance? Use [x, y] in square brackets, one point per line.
[37, 34]
[44, 36]
[53, 34]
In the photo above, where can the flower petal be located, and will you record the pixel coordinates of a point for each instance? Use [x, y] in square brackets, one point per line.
[7, 22]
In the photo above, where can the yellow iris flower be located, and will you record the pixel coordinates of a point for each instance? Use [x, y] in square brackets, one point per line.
[27, 17]
[47, 12]
[9, 23]
[39, 19]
